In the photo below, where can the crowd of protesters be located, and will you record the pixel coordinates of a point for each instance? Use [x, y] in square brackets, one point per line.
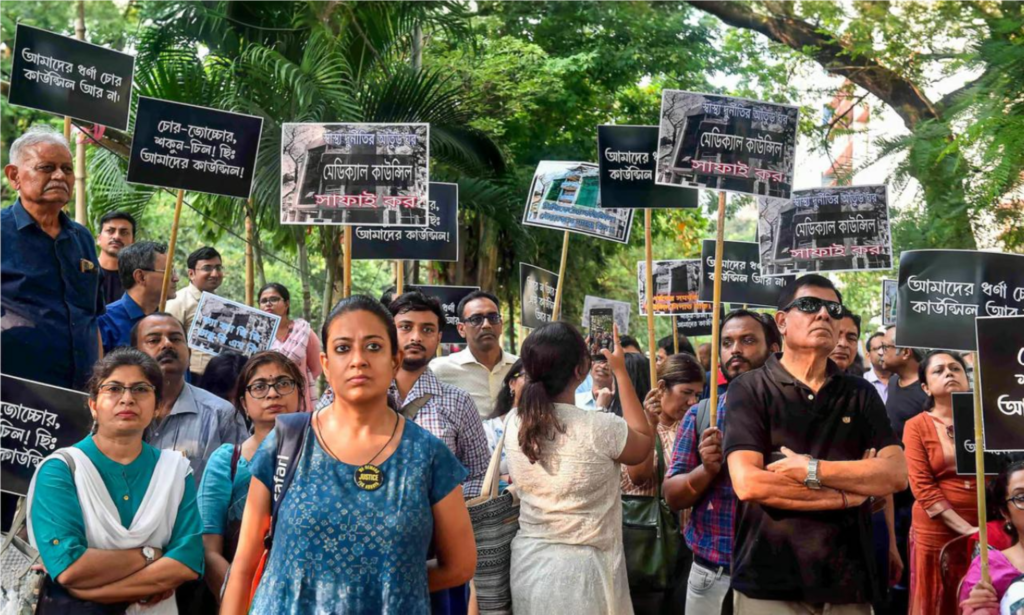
[819, 487]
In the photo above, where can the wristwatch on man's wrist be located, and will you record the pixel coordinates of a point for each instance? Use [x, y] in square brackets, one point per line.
[150, 554]
[812, 482]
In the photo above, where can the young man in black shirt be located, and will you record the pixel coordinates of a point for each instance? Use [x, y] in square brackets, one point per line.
[807, 447]
[117, 231]
[906, 398]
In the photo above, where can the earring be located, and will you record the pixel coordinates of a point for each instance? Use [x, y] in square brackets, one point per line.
[1009, 528]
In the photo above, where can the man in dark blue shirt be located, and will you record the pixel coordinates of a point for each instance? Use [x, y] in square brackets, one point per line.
[49, 294]
[141, 267]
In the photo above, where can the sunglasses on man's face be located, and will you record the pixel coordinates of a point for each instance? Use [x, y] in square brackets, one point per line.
[477, 320]
[813, 305]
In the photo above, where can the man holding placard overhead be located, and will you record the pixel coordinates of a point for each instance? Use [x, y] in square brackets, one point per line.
[50, 291]
[807, 447]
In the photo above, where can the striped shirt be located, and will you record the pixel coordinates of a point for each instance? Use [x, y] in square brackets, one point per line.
[451, 416]
[708, 532]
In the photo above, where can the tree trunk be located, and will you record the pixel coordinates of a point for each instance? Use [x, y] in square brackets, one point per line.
[307, 298]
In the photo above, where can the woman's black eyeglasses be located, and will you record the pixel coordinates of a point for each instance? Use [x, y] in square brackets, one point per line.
[812, 305]
[1017, 501]
[261, 389]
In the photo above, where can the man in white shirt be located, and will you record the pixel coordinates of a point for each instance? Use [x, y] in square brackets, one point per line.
[602, 389]
[205, 274]
[481, 367]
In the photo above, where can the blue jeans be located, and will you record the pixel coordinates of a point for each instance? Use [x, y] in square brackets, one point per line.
[706, 590]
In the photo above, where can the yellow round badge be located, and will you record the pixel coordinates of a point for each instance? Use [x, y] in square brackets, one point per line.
[369, 477]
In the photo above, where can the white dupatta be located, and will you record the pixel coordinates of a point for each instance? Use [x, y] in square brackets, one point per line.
[153, 522]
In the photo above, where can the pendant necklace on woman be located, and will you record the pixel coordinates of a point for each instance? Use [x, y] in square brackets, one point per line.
[368, 477]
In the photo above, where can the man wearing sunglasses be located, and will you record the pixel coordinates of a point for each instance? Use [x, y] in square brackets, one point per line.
[481, 367]
[807, 447]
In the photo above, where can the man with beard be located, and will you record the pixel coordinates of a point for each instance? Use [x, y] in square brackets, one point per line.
[188, 419]
[117, 231]
[697, 477]
[50, 291]
[480, 369]
[846, 343]
[443, 410]
[205, 274]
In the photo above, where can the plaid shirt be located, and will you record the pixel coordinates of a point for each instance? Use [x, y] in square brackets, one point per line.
[709, 531]
[451, 416]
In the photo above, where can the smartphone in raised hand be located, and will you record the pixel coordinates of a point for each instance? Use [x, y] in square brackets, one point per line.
[601, 336]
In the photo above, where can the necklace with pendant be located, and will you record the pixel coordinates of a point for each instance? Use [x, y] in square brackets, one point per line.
[367, 477]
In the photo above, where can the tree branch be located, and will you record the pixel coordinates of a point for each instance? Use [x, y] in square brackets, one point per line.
[902, 95]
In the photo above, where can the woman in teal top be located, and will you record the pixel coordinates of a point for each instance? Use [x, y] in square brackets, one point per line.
[122, 527]
[269, 384]
[370, 493]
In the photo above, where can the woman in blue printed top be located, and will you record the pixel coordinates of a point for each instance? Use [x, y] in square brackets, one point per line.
[114, 519]
[270, 384]
[370, 494]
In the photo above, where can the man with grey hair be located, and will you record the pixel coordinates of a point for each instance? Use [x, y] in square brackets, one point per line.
[49, 294]
[141, 266]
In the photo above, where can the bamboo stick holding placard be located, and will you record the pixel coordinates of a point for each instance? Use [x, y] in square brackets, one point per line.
[979, 464]
[346, 287]
[169, 266]
[81, 215]
[561, 279]
[675, 337]
[250, 271]
[716, 307]
[399, 277]
[649, 298]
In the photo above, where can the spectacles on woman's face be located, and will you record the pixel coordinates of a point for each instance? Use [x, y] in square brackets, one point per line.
[261, 388]
[137, 390]
[1017, 501]
[477, 320]
[270, 300]
[813, 305]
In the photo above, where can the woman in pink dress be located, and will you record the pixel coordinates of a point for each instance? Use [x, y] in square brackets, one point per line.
[295, 338]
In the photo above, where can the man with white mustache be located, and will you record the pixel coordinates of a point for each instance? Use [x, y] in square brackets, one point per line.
[50, 294]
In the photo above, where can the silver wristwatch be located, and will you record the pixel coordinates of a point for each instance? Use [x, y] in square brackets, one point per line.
[150, 554]
[812, 482]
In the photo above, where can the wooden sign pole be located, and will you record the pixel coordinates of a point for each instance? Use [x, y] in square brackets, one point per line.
[346, 286]
[556, 312]
[399, 277]
[979, 462]
[81, 215]
[675, 338]
[649, 285]
[716, 308]
[169, 266]
[250, 272]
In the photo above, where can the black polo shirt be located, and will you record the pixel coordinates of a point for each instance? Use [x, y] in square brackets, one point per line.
[817, 557]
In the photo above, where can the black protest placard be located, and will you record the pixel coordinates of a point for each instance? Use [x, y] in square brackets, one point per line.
[1001, 368]
[843, 228]
[676, 286]
[66, 76]
[941, 292]
[889, 300]
[36, 420]
[537, 288]
[449, 296]
[698, 323]
[223, 325]
[963, 440]
[626, 157]
[355, 174]
[192, 148]
[439, 241]
[726, 143]
[742, 281]
[566, 196]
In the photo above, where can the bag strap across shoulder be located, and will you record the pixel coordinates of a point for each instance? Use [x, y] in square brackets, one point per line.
[291, 435]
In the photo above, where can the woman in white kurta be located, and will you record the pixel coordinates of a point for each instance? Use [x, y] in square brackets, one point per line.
[564, 462]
